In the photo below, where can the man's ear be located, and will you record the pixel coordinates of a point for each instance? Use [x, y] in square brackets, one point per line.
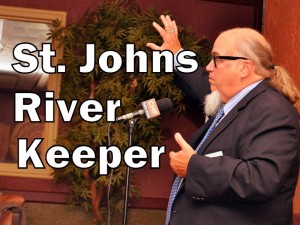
[246, 69]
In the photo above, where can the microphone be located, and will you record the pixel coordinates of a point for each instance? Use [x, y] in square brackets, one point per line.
[151, 109]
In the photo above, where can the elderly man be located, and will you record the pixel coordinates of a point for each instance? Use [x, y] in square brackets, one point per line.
[241, 167]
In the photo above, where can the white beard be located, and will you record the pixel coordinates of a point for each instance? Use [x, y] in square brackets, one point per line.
[212, 103]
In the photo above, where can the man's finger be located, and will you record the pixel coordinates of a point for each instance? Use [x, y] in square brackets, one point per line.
[153, 46]
[165, 22]
[158, 28]
[169, 22]
[175, 27]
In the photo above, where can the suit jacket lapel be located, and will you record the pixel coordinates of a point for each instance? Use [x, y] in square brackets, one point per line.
[219, 128]
[198, 135]
[233, 114]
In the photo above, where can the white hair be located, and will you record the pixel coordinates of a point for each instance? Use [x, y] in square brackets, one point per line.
[212, 103]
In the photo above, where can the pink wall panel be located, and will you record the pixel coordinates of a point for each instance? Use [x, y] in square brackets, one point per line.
[282, 29]
[207, 18]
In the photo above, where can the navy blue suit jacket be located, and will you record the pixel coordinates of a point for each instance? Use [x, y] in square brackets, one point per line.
[253, 183]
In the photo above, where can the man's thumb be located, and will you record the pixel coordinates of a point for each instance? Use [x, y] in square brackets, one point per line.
[181, 142]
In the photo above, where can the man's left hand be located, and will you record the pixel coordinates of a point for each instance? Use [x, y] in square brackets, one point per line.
[179, 160]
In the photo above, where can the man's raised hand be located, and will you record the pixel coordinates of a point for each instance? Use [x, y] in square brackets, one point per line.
[169, 35]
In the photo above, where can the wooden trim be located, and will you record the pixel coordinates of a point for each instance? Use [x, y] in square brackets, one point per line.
[11, 169]
[239, 2]
[35, 190]
[258, 14]
[258, 17]
[32, 184]
[296, 219]
[46, 191]
[43, 197]
[149, 203]
[32, 15]
[50, 131]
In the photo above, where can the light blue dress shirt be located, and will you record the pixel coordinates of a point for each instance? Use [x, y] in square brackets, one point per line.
[238, 97]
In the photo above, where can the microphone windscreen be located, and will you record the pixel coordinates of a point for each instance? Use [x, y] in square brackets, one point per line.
[164, 104]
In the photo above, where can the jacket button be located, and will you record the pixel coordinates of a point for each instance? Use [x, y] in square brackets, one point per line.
[198, 198]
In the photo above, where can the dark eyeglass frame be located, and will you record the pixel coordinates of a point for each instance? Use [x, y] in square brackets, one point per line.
[216, 57]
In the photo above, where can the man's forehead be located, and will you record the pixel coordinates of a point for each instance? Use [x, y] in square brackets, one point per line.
[222, 49]
[224, 44]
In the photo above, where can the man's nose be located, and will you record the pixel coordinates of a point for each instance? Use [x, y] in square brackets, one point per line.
[210, 66]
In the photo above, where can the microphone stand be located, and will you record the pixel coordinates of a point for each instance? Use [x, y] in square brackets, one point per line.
[131, 126]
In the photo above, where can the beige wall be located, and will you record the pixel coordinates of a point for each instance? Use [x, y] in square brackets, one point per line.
[282, 29]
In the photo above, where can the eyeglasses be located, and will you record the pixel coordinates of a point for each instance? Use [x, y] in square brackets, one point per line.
[215, 58]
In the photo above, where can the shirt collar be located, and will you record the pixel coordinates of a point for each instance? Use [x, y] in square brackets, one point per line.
[239, 96]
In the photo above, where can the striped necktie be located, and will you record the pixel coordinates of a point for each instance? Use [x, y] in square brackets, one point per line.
[178, 180]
